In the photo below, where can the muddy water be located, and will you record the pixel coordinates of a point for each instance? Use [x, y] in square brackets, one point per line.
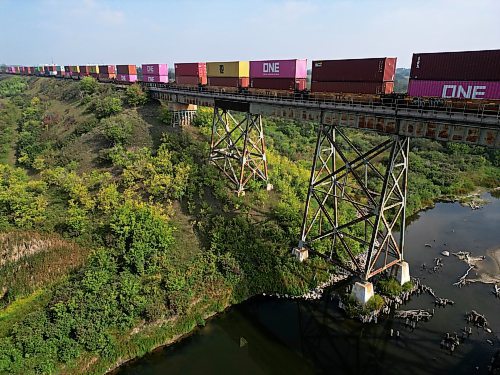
[264, 336]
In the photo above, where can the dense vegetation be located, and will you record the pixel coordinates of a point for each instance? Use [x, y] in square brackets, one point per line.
[117, 236]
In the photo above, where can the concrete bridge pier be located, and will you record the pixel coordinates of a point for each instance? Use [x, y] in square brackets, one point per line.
[402, 272]
[362, 291]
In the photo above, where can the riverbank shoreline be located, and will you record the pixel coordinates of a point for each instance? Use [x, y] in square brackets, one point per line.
[178, 338]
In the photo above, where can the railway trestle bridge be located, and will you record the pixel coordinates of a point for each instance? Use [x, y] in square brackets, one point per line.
[371, 183]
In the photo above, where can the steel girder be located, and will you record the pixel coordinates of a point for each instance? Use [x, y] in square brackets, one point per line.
[238, 148]
[356, 201]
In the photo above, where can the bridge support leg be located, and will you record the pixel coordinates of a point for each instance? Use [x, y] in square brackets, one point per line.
[181, 114]
[238, 149]
[356, 201]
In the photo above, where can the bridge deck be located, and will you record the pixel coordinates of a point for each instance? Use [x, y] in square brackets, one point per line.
[465, 122]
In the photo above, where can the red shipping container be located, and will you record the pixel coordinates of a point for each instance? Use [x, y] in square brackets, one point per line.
[126, 69]
[456, 66]
[107, 69]
[84, 70]
[289, 84]
[354, 87]
[190, 69]
[228, 81]
[354, 70]
[191, 80]
[107, 76]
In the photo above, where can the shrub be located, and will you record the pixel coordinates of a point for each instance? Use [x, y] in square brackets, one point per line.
[106, 107]
[117, 130]
[389, 287]
[134, 95]
[88, 85]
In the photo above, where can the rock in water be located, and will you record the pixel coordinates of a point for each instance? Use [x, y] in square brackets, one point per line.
[243, 342]
[445, 253]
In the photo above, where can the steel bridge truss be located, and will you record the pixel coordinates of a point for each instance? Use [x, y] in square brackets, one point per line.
[356, 202]
[238, 148]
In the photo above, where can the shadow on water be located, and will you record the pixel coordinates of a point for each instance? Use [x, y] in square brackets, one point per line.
[267, 335]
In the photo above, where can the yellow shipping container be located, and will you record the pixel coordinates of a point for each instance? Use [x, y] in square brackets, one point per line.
[228, 69]
[94, 69]
[75, 68]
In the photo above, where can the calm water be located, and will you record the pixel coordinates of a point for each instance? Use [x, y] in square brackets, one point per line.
[271, 336]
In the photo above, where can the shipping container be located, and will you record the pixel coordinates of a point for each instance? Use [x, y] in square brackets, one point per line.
[228, 81]
[126, 77]
[155, 69]
[456, 66]
[67, 68]
[107, 76]
[190, 69]
[354, 70]
[84, 70]
[191, 80]
[107, 69]
[155, 78]
[75, 69]
[228, 69]
[94, 69]
[354, 87]
[289, 84]
[278, 69]
[455, 89]
[126, 69]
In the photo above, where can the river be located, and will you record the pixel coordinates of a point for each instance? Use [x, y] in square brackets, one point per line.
[274, 336]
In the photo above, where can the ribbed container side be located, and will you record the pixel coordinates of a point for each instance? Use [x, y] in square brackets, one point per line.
[289, 84]
[228, 81]
[456, 66]
[154, 78]
[84, 69]
[107, 69]
[190, 69]
[126, 77]
[94, 69]
[75, 69]
[354, 70]
[190, 80]
[278, 69]
[353, 87]
[107, 76]
[126, 69]
[155, 69]
[455, 89]
[67, 68]
[231, 69]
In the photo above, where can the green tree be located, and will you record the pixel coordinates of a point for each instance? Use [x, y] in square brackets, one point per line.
[135, 95]
[107, 107]
[117, 130]
[88, 85]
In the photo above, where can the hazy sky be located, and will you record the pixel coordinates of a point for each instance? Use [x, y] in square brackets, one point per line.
[127, 32]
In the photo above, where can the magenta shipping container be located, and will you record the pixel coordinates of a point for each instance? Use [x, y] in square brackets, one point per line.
[455, 89]
[154, 78]
[155, 69]
[278, 69]
[126, 77]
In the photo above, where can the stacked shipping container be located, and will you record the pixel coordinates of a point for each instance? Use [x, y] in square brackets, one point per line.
[126, 73]
[155, 73]
[107, 72]
[278, 74]
[191, 74]
[462, 75]
[228, 74]
[357, 76]
[94, 71]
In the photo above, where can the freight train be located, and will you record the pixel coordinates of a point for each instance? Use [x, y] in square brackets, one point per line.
[435, 78]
